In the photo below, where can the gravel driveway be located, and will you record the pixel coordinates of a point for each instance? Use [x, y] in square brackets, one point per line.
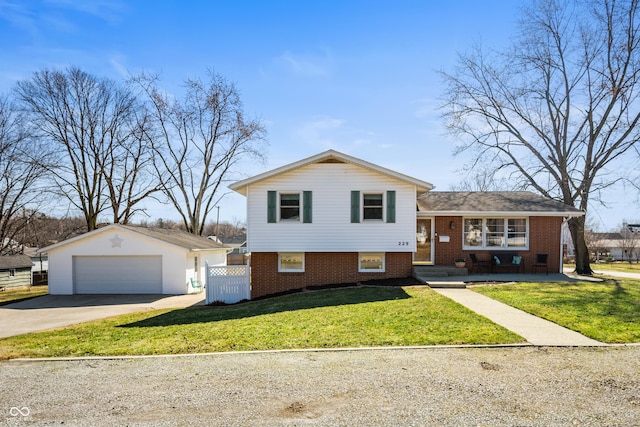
[522, 386]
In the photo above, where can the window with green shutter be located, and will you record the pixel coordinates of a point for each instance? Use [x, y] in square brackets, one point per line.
[289, 206]
[372, 206]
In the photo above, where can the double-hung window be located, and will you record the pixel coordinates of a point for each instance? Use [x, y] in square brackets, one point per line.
[496, 233]
[372, 206]
[289, 206]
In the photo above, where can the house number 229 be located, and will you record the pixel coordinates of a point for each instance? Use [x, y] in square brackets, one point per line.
[403, 243]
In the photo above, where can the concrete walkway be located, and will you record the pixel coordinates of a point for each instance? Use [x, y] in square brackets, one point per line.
[535, 330]
[620, 274]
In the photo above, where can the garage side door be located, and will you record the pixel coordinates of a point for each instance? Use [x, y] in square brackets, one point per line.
[117, 274]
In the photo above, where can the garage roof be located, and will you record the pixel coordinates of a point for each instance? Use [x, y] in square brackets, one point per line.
[175, 237]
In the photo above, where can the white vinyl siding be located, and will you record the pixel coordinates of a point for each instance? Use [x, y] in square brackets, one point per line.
[332, 230]
[176, 269]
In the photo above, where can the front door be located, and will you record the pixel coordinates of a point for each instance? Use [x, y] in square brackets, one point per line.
[424, 246]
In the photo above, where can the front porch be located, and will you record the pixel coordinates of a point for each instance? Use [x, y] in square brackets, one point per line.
[453, 277]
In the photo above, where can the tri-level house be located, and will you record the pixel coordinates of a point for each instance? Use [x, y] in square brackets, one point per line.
[334, 219]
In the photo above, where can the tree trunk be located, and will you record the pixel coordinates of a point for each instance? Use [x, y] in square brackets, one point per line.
[576, 227]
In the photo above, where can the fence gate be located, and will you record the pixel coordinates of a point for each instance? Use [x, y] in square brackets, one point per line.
[228, 284]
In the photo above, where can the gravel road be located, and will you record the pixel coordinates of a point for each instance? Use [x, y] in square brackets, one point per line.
[522, 386]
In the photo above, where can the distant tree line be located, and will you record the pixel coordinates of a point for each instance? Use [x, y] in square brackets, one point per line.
[103, 147]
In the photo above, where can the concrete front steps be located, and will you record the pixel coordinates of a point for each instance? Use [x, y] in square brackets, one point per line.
[435, 275]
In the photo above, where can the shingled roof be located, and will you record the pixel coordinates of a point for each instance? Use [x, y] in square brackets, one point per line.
[179, 238]
[492, 202]
[15, 261]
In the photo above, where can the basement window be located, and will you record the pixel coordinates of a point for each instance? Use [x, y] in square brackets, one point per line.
[291, 262]
[371, 262]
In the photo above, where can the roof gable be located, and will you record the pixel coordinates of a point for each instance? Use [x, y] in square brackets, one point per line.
[492, 203]
[330, 156]
[178, 238]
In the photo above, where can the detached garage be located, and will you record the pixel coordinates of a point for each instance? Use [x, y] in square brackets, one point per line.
[119, 259]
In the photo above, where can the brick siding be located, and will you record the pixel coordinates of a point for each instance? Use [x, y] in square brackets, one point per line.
[321, 269]
[544, 238]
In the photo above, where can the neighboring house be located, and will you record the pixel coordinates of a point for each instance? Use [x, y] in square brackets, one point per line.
[239, 244]
[615, 246]
[633, 228]
[40, 260]
[15, 271]
[118, 259]
[332, 218]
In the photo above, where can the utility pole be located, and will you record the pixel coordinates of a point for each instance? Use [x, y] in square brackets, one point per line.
[218, 223]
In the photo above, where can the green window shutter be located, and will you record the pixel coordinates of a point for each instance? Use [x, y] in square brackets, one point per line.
[272, 200]
[355, 206]
[391, 206]
[306, 206]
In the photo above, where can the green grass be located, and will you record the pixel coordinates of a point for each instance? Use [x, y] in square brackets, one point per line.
[634, 267]
[353, 317]
[12, 295]
[607, 311]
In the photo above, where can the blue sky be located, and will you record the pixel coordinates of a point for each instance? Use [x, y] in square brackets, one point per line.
[359, 77]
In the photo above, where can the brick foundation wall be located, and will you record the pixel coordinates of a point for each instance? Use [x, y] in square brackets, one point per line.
[321, 269]
[544, 238]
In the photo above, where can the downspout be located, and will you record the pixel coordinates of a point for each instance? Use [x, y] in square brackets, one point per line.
[565, 220]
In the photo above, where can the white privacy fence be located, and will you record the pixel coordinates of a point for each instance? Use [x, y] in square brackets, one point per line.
[228, 284]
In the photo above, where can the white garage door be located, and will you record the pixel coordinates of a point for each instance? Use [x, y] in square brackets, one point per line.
[117, 274]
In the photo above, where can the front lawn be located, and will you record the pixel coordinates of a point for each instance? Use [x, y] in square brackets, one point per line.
[12, 295]
[607, 311]
[352, 317]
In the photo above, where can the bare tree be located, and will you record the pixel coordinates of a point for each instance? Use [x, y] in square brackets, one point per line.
[43, 230]
[94, 125]
[559, 111]
[21, 168]
[129, 173]
[200, 140]
[480, 178]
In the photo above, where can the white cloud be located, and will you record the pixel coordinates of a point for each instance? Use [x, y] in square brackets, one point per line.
[319, 132]
[308, 65]
[425, 108]
[108, 10]
[117, 62]
[325, 132]
[19, 15]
